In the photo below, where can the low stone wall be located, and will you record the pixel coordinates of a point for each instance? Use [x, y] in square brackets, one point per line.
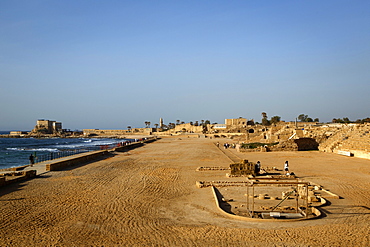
[361, 154]
[357, 153]
[74, 160]
[128, 147]
[315, 211]
[13, 177]
[301, 144]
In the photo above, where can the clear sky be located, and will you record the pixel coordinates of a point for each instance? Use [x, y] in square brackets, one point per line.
[112, 64]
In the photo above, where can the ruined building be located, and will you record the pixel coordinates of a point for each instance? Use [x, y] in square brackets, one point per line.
[47, 127]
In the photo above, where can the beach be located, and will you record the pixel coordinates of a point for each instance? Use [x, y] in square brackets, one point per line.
[148, 197]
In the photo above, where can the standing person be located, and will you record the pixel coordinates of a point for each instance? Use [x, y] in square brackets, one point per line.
[257, 167]
[32, 159]
[286, 167]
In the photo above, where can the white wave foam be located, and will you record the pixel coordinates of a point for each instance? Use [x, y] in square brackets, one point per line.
[34, 149]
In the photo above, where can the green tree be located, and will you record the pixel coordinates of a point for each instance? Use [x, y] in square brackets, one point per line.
[346, 120]
[275, 119]
[265, 121]
[302, 117]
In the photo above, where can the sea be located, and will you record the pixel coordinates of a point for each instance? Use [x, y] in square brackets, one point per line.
[15, 152]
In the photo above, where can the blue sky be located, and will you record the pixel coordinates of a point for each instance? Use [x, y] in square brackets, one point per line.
[113, 64]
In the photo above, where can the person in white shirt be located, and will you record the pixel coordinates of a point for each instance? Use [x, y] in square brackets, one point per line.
[286, 167]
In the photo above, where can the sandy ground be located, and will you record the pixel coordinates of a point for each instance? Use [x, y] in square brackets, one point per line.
[148, 197]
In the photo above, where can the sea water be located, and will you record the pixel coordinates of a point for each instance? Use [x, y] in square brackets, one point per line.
[16, 151]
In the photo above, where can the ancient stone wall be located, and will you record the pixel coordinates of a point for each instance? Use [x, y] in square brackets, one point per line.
[354, 138]
[143, 131]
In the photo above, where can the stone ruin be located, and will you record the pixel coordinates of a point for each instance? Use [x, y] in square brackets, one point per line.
[244, 168]
[301, 144]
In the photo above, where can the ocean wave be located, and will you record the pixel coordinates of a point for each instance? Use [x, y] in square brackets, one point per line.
[34, 149]
[71, 146]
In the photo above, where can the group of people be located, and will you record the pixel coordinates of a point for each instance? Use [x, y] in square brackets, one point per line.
[257, 168]
[226, 145]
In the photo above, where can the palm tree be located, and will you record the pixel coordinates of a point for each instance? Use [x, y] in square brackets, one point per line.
[129, 128]
[265, 121]
[156, 125]
[177, 122]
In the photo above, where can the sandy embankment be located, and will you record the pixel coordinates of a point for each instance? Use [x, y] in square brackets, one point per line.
[148, 197]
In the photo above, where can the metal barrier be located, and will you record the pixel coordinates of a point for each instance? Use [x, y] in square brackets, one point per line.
[70, 152]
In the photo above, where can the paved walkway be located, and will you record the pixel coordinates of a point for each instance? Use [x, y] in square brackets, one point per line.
[41, 166]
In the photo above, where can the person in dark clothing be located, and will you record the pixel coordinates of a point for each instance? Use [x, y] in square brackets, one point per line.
[32, 159]
[258, 167]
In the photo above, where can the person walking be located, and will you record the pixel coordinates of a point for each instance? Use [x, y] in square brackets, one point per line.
[32, 159]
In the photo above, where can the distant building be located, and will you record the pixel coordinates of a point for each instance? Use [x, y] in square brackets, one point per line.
[219, 126]
[18, 133]
[47, 127]
[236, 122]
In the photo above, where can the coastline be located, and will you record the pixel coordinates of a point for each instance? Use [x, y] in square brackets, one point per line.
[15, 152]
[19, 173]
[148, 196]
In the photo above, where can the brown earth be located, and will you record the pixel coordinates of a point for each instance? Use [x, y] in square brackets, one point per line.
[148, 197]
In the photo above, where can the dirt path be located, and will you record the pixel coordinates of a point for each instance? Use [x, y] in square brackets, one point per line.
[148, 197]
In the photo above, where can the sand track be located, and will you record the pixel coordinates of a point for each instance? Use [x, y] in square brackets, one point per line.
[148, 197]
